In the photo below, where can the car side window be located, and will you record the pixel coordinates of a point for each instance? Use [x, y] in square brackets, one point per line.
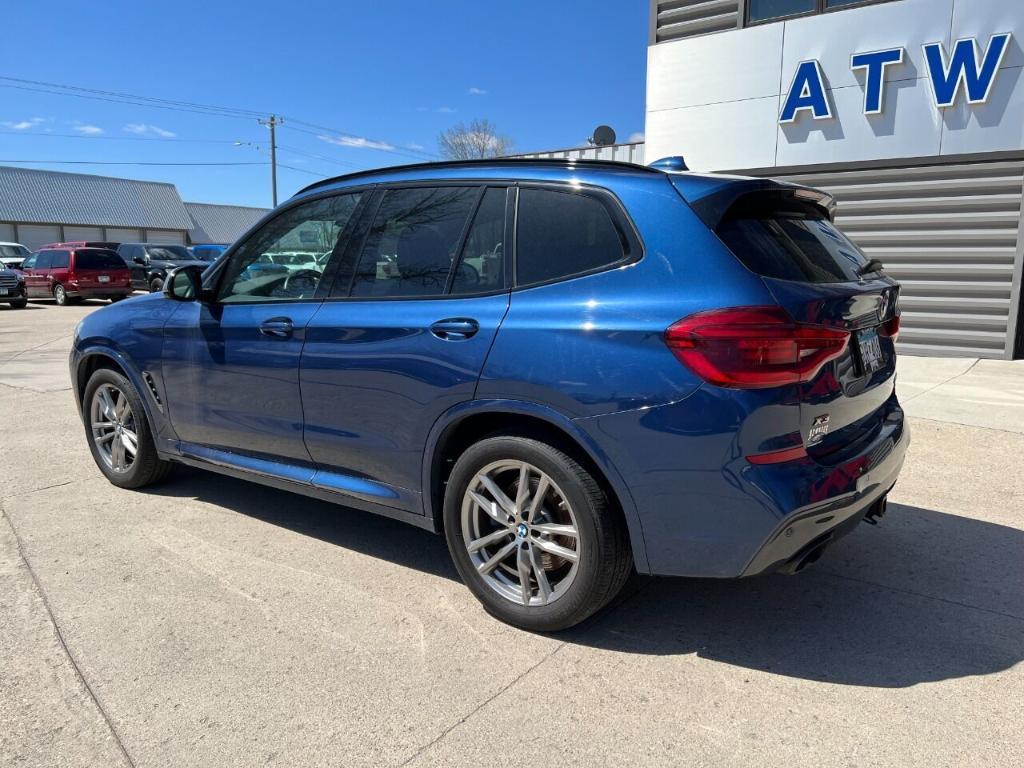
[44, 260]
[30, 262]
[561, 234]
[412, 242]
[285, 259]
[481, 267]
[60, 259]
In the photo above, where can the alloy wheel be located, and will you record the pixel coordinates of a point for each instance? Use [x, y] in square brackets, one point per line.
[113, 428]
[521, 533]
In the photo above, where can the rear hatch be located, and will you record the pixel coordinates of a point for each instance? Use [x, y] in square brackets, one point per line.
[99, 268]
[786, 235]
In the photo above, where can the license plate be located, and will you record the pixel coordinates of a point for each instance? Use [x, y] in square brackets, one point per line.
[3, 291]
[104, 278]
[870, 351]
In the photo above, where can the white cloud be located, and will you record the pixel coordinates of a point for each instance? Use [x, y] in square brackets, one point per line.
[413, 145]
[446, 110]
[357, 142]
[24, 125]
[144, 129]
[88, 130]
[635, 138]
[474, 91]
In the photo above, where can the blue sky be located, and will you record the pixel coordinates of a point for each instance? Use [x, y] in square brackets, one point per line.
[392, 74]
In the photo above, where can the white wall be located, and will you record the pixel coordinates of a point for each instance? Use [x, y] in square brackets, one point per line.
[716, 99]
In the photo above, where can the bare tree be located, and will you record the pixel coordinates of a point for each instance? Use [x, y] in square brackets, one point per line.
[475, 141]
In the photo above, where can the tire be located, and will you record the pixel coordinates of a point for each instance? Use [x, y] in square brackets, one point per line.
[577, 587]
[60, 295]
[146, 467]
[19, 303]
[156, 285]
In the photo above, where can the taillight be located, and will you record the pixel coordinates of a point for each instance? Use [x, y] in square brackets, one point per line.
[891, 327]
[753, 347]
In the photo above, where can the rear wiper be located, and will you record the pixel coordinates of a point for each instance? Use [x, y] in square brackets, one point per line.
[874, 265]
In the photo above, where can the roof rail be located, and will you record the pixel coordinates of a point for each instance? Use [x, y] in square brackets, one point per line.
[510, 162]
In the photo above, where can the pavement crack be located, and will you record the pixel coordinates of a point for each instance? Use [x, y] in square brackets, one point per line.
[926, 597]
[60, 639]
[441, 736]
[954, 377]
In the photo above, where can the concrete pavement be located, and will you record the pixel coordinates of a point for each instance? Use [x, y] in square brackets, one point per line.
[213, 622]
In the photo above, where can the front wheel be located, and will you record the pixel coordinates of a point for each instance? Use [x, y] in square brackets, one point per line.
[156, 285]
[533, 535]
[119, 435]
[19, 303]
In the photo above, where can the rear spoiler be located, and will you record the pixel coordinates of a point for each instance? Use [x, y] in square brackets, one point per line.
[718, 199]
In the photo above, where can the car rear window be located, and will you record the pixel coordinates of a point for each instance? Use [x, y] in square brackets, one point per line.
[98, 260]
[562, 234]
[789, 239]
[169, 252]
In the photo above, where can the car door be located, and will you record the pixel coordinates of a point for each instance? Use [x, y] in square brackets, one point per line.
[403, 336]
[133, 256]
[231, 362]
[35, 268]
[60, 267]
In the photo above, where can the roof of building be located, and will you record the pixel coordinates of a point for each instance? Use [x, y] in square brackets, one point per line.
[47, 197]
[221, 223]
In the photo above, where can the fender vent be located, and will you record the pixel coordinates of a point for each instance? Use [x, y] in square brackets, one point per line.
[148, 378]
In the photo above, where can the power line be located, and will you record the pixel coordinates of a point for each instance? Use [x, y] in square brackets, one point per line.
[315, 156]
[117, 162]
[304, 170]
[358, 142]
[169, 139]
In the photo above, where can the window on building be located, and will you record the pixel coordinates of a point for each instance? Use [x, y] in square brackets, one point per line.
[412, 242]
[561, 234]
[764, 10]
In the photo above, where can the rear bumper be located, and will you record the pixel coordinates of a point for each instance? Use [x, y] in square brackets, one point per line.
[707, 512]
[98, 293]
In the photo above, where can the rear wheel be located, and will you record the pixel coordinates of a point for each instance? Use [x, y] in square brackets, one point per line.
[533, 535]
[156, 285]
[60, 295]
[119, 434]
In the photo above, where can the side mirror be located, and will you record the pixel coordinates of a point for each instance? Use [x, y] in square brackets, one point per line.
[184, 284]
[139, 259]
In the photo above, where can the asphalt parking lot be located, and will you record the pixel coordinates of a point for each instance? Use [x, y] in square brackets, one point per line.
[210, 622]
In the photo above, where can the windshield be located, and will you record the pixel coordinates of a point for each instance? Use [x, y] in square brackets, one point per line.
[14, 251]
[169, 252]
[98, 260]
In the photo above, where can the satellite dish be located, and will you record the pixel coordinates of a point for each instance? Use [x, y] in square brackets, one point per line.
[603, 136]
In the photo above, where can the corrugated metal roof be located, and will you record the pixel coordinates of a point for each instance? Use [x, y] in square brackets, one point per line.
[221, 223]
[52, 197]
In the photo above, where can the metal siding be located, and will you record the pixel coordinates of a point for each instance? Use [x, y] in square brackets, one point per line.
[7, 232]
[676, 19]
[82, 233]
[221, 223]
[623, 153]
[950, 235]
[116, 235]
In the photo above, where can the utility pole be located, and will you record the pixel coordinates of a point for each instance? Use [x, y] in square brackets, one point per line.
[272, 123]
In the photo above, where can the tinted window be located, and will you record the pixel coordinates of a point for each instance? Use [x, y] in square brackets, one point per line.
[789, 240]
[60, 259]
[13, 251]
[44, 260]
[98, 260]
[761, 10]
[562, 234]
[263, 268]
[482, 265]
[169, 252]
[30, 261]
[411, 244]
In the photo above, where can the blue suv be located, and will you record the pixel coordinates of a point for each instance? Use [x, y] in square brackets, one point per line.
[572, 369]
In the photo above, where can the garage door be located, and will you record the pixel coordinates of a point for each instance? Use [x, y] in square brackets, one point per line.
[7, 233]
[72, 234]
[34, 235]
[123, 235]
[949, 234]
[165, 236]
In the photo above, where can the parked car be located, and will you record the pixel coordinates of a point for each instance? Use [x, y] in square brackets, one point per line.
[150, 262]
[12, 288]
[71, 274]
[208, 252]
[82, 244]
[13, 254]
[680, 373]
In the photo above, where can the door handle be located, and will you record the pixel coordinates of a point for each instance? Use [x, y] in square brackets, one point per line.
[455, 328]
[277, 327]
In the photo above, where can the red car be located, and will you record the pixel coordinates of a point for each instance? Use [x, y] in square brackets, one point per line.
[71, 274]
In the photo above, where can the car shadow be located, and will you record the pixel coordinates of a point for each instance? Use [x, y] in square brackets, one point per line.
[925, 596]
